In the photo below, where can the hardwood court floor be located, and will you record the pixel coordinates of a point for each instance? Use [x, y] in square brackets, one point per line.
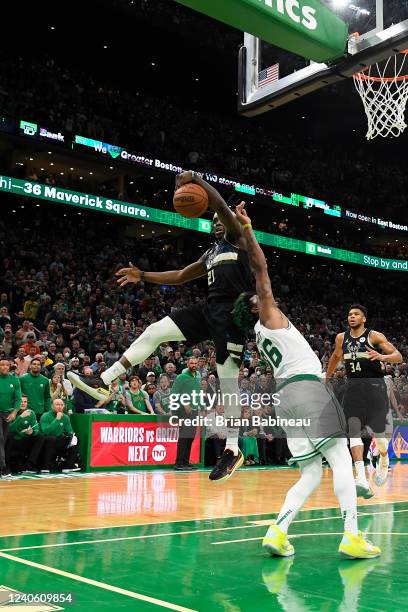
[162, 540]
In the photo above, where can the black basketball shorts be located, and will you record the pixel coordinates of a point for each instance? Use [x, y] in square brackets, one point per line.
[367, 401]
[211, 320]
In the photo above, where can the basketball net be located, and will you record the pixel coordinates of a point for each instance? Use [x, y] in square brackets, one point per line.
[383, 88]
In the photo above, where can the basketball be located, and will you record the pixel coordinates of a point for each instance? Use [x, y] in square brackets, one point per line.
[190, 200]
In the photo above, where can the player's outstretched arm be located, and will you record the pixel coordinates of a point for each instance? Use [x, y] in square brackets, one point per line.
[216, 202]
[336, 356]
[269, 313]
[388, 351]
[173, 277]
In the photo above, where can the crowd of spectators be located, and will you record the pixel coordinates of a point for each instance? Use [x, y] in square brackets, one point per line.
[73, 102]
[61, 307]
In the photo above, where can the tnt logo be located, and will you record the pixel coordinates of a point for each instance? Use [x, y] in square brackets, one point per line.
[159, 452]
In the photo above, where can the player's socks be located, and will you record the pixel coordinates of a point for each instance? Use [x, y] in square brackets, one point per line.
[232, 444]
[276, 542]
[113, 372]
[356, 547]
[360, 471]
[381, 471]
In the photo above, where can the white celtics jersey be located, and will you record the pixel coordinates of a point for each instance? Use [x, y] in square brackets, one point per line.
[287, 351]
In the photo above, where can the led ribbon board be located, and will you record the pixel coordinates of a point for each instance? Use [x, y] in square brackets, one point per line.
[304, 27]
[144, 213]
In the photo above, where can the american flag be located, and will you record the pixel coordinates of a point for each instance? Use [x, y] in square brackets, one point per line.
[268, 75]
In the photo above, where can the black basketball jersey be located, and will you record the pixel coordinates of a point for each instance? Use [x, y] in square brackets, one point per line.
[356, 357]
[229, 273]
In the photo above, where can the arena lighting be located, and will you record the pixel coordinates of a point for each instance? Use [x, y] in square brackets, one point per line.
[341, 3]
[359, 10]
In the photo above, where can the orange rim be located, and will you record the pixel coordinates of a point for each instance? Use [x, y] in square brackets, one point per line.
[365, 77]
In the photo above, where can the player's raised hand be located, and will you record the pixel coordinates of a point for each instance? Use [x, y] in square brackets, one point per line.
[183, 178]
[242, 214]
[375, 356]
[128, 275]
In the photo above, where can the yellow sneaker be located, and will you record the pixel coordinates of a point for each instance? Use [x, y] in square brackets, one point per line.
[277, 543]
[356, 547]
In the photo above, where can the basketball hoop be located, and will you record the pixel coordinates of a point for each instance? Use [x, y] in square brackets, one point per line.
[383, 89]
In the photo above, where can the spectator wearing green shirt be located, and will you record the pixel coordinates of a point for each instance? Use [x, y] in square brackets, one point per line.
[10, 402]
[60, 438]
[25, 443]
[137, 400]
[115, 401]
[37, 388]
[185, 383]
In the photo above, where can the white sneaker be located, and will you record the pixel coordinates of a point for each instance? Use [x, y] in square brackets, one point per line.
[363, 489]
[381, 471]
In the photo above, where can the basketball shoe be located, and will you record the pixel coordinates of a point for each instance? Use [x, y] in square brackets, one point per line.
[356, 547]
[92, 385]
[226, 465]
[381, 470]
[276, 542]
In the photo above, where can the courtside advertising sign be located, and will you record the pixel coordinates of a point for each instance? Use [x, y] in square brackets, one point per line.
[115, 444]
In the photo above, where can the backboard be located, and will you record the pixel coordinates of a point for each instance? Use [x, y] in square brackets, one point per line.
[270, 77]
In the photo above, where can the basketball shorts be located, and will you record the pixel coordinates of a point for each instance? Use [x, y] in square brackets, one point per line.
[366, 405]
[211, 320]
[311, 417]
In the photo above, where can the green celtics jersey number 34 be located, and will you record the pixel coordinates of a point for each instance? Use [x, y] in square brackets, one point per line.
[287, 351]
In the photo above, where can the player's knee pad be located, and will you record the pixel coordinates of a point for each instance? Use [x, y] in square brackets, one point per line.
[165, 330]
[382, 444]
[356, 442]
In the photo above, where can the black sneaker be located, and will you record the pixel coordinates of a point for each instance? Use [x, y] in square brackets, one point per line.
[5, 472]
[226, 465]
[92, 385]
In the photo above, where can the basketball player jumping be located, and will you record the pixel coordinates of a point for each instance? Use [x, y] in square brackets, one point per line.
[365, 401]
[302, 395]
[227, 268]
